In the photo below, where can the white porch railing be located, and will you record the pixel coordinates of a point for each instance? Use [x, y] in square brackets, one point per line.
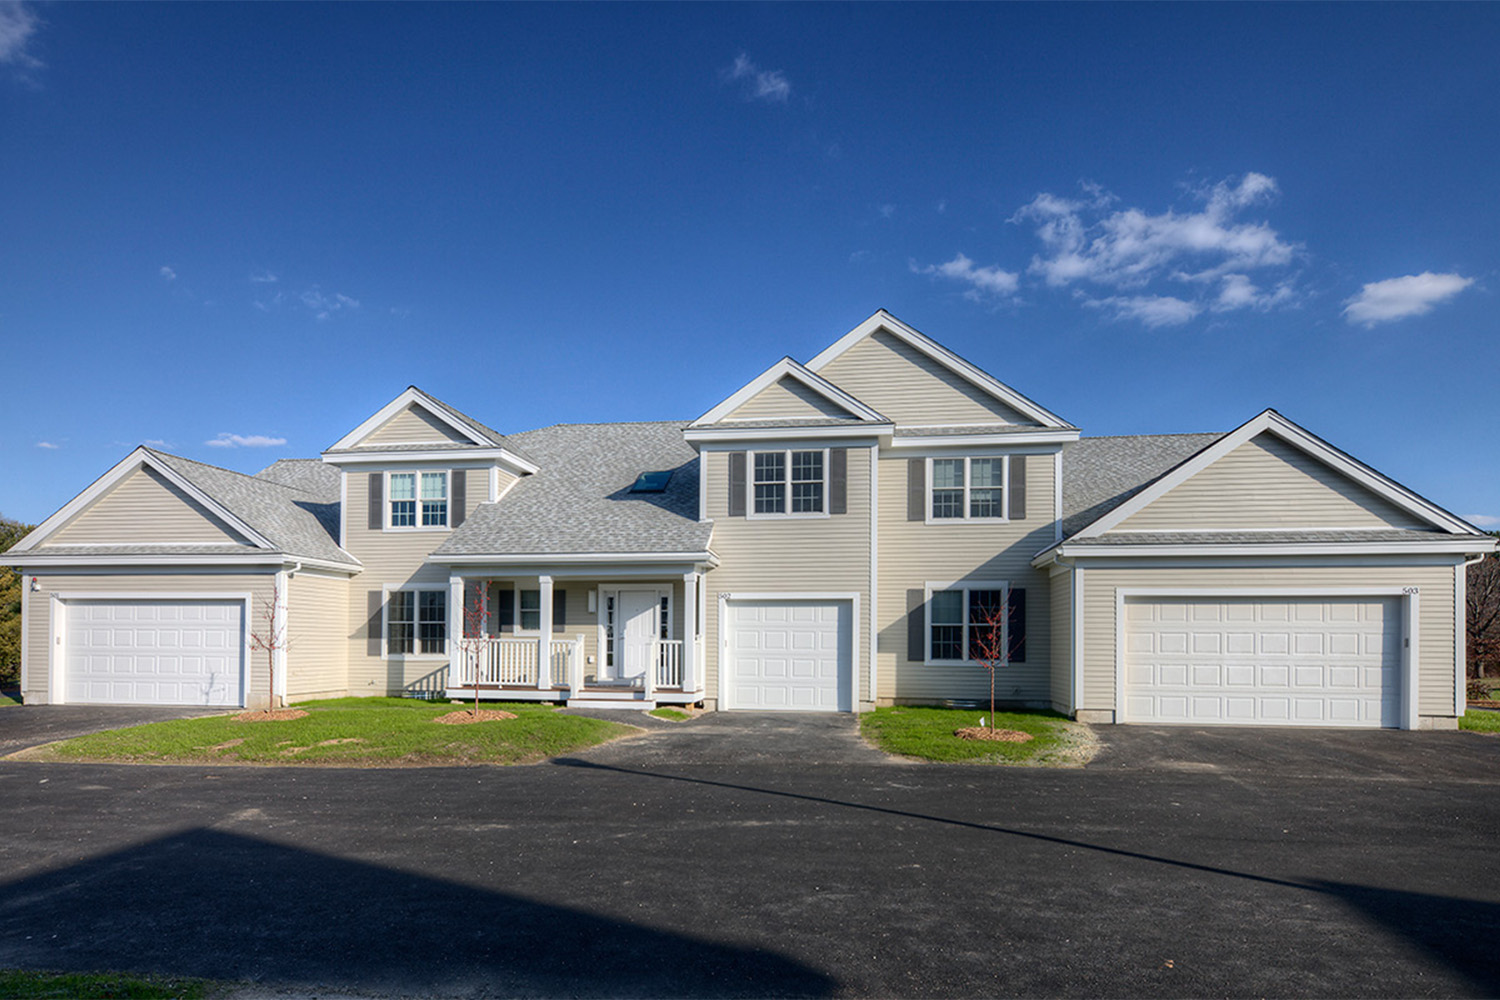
[512, 661]
[668, 659]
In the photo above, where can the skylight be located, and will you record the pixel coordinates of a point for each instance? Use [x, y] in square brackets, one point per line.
[651, 482]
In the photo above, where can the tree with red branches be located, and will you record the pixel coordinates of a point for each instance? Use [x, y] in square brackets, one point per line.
[990, 643]
[473, 641]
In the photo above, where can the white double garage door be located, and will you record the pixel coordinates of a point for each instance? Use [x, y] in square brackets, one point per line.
[788, 655]
[1278, 661]
[153, 652]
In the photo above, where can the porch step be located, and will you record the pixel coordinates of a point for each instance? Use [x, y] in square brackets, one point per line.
[621, 703]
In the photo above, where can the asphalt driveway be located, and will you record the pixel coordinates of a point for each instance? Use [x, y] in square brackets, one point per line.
[23, 726]
[661, 874]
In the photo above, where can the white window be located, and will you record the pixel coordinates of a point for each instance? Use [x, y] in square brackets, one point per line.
[417, 499]
[967, 489]
[529, 611]
[788, 483]
[967, 623]
[416, 623]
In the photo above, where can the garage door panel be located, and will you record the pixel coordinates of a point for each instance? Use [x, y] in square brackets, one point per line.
[154, 652]
[789, 655]
[1308, 661]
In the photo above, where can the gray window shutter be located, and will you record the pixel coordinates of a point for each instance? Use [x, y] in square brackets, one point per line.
[916, 489]
[1018, 487]
[559, 609]
[377, 501]
[916, 625]
[838, 480]
[458, 496]
[736, 484]
[1015, 621]
[376, 623]
[504, 611]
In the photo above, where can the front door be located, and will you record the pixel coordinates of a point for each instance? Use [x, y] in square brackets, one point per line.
[637, 609]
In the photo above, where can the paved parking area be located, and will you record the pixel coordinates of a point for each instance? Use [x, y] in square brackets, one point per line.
[790, 739]
[23, 726]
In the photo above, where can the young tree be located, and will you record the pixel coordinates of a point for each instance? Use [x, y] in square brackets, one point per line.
[1482, 618]
[473, 641]
[990, 643]
[270, 636]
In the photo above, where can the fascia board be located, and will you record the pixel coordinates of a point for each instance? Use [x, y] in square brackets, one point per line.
[869, 433]
[937, 352]
[256, 558]
[996, 440]
[1452, 546]
[784, 368]
[468, 457]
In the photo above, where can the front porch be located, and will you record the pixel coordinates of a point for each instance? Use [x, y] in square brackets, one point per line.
[617, 643]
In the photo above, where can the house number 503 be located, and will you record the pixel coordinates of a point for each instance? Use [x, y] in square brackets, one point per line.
[1411, 590]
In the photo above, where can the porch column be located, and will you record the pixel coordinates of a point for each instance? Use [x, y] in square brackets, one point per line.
[544, 642]
[456, 631]
[689, 631]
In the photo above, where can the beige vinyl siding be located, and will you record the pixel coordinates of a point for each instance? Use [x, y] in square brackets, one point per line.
[1061, 613]
[145, 507]
[910, 388]
[790, 555]
[786, 398]
[914, 552]
[38, 622]
[414, 425]
[318, 650]
[1435, 613]
[1267, 483]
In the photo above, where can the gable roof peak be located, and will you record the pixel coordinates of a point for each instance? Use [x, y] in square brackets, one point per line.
[789, 367]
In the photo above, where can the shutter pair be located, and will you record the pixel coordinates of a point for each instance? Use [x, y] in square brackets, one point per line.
[916, 625]
[916, 488]
[458, 499]
[838, 482]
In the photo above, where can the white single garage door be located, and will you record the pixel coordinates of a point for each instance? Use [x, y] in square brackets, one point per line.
[155, 652]
[1313, 661]
[789, 656]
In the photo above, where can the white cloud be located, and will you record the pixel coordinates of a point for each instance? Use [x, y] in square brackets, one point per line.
[154, 443]
[168, 273]
[18, 25]
[1152, 310]
[323, 305]
[982, 281]
[1398, 298]
[263, 278]
[887, 211]
[48, 445]
[227, 440]
[764, 85]
[1483, 520]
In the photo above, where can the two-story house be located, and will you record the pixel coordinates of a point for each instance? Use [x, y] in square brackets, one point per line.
[832, 536]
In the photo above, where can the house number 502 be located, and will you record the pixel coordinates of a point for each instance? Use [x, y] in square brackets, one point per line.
[1411, 590]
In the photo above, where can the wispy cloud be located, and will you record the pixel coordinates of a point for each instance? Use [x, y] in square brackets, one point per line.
[227, 440]
[155, 443]
[263, 278]
[1483, 520]
[48, 445]
[759, 85]
[325, 305]
[167, 273]
[1152, 310]
[18, 27]
[886, 211]
[983, 282]
[1398, 298]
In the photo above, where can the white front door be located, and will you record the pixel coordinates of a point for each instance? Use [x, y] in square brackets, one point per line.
[636, 632]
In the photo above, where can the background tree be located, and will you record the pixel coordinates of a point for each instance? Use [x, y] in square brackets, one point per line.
[1482, 616]
[11, 532]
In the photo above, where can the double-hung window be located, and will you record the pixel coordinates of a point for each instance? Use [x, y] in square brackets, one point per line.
[530, 607]
[967, 489]
[967, 624]
[789, 482]
[416, 622]
[418, 499]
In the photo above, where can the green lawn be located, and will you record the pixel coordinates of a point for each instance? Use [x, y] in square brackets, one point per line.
[1477, 720]
[6, 699]
[349, 731]
[675, 714]
[24, 984]
[927, 734]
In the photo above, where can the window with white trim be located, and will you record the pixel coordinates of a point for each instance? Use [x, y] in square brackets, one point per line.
[788, 482]
[417, 499]
[967, 489]
[416, 623]
[966, 623]
[529, 611]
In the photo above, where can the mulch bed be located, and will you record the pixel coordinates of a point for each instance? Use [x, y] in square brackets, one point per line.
[1488, 703]
[464, 716]
[279, 715]
[993, 735]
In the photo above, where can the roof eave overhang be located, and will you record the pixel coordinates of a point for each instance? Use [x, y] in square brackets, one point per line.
[600, 559]
[721, 433]
[1456, 546]
[1045, 436]
[253, 559]
[503, 455]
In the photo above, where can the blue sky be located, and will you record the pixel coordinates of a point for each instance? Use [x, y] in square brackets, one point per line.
[236, 231]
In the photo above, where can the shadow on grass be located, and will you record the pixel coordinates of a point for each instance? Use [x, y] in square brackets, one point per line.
[222, 906]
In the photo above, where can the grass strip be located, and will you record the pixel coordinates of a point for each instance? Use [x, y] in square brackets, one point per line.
[675, 714]
[27, 984]
[927, 734]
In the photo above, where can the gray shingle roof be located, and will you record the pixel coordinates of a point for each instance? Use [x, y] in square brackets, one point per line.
[1101, 473]
[581, 502]
[227, 549]
[1307, 535]
[295, 521]
[310, 475]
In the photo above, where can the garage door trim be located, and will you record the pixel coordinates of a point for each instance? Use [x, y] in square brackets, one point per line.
[57, 659]
[726, 655]
[1409, 633]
